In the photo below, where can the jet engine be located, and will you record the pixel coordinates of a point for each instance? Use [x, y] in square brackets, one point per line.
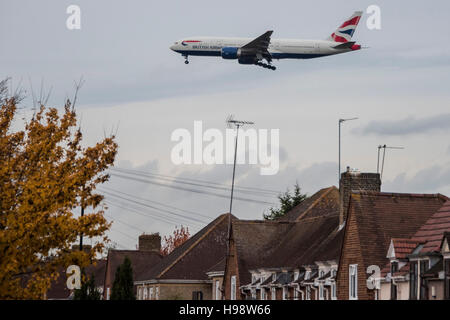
[231, 53]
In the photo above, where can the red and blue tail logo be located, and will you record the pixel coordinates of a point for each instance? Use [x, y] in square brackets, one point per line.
[345, 32]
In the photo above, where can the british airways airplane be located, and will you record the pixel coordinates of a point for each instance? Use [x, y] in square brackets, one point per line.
[254, 51]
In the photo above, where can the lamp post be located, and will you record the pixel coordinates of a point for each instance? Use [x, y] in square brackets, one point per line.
[340, 122]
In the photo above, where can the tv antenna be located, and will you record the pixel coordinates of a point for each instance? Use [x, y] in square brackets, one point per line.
[232, 122]
[384, 147]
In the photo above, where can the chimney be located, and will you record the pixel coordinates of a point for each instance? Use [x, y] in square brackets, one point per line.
[150, 242]
[353, 180]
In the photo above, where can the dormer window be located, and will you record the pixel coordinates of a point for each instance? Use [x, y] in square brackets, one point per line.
[296, 274]
[274, 277]
[307, 275]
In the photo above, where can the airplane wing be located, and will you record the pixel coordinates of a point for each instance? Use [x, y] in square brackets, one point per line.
[259, 46]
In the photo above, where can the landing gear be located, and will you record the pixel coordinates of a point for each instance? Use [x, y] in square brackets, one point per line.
[266, 66]
[186, 61]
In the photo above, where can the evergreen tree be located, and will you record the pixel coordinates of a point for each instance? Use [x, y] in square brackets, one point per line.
[123, 282]
[88, 290]
[287, 202]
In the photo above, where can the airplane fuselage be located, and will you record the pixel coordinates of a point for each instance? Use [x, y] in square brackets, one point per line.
[256, 50]
[278, 48]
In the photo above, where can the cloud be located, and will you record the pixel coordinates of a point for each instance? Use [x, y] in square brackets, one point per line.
[435, 179]
[406, 126]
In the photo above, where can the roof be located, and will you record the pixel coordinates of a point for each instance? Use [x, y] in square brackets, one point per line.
[403, 247]
[308, 233]
[433, 272]
[432, 231]
[284, 278]
[196, 256]
[381, 216]
[97, 269]
[325, 276]
[58, 288]
[321, 203]
[141, 261]
[254, 241]
[218, 267]
[308, 241]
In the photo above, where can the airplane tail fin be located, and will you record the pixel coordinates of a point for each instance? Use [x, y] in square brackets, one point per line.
[345, 32]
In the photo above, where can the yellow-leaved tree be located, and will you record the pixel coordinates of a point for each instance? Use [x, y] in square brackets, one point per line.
[45, 175]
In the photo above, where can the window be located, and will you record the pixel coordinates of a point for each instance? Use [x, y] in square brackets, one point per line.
[424, 264]
[253, 291]
[353, 281]
[447, 279]
[296, 274]
[274, 277]
[295, 293]
[108, 291]
[157, 293]
[274, 293]
[413, 274]
[218, 295]
[308, 293]
[394, 269]
[333, 291]
[285, 293]
[321, 292]
[233, 288]
[151, 293]
[197, 295]
[144, 296]
[263, 294]
[307, 275]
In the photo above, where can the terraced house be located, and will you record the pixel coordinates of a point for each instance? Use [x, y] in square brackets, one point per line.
[297, 257]
[419, 266]
[373, 220]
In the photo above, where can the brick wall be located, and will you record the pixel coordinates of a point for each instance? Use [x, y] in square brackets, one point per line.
[351, 254]
[356, 181]
[231, 270]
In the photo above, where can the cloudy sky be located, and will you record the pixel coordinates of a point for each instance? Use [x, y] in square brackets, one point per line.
[135, 86]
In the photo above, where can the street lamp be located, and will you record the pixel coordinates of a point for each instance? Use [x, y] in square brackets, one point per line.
[340, 122]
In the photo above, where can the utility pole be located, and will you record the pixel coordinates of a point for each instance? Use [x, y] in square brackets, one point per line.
[81, 234]
[339, 169]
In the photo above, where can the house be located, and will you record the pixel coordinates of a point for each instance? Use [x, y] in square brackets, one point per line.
[58, 289]
[296, 256]
[215, 274]
[183, 273]
[373, 220]
[418, 267]
[147, 256]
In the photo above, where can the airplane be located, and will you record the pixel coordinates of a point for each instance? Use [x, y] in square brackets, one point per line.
[255, 51]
